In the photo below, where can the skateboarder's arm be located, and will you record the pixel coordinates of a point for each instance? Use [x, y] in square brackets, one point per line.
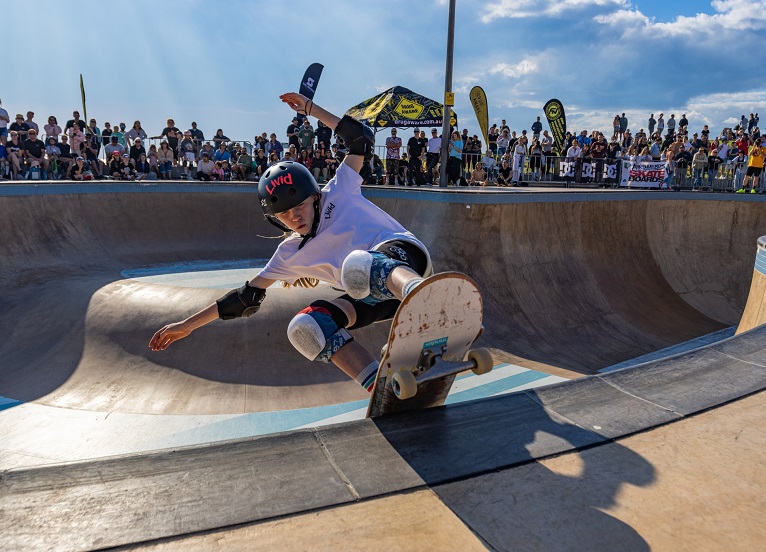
[302, 104]
[162, 339]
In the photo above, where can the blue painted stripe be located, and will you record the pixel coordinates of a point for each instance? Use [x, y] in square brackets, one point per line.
[193, 266]
[6, 403]
[499, 386]
[760, 261]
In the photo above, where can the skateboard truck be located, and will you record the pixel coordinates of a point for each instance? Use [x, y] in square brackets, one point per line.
[432, 366]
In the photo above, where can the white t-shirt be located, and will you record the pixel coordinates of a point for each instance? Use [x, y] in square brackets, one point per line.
[348, 222]
[434, 145]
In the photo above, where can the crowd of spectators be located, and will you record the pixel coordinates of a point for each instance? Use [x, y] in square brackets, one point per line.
[689, 158]
[83, 151]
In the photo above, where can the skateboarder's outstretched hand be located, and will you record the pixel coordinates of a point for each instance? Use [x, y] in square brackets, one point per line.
[167, 335]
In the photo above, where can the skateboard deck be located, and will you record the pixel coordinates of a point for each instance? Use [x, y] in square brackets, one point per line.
[431, 333]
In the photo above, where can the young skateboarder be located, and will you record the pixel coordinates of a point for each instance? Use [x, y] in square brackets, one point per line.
[333, 235]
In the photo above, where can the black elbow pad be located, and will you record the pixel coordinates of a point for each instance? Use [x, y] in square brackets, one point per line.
[240, 302]
[358, 137]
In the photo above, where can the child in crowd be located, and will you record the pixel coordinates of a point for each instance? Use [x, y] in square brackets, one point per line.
[53, 152]
[226, 170]
[127, 169]
[217, 173]
[154, 164]
[478, 176]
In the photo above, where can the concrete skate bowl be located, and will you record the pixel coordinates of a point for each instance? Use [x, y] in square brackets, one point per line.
[572, 283]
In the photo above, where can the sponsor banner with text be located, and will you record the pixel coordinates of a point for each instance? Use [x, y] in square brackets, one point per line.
[646, 174]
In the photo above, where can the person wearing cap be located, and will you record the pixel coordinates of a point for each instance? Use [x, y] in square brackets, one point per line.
[432, 155]
[113, 146]
[306, 135]
[127, 168]
[415, 151]
[34, 152]
[78, 170]
[333, 235]
[292, 132]
[135, 133]
[115, 165]
[20, 127]
[137, 149]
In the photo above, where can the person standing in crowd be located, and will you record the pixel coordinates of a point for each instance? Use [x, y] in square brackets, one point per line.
[713, 162]
[623, 125]
[455, 160]
[537, 128]
[106, 134]
[519, 155]
[135, 133]
[755, 162]
[672, 124]
[699, 162]
[651, 125]
[30, 123]
[323, 136]
[292, 132]
[188, 156]
[274, 147]
[660, 124]
[219, 138]
[197, 136]
[75, 120]
[503, 142]
[306, 135]
[432, 156]
[52, 129]
[492, 136]
[172, 135]
[414, 151]
[5, 120]
[393, 145]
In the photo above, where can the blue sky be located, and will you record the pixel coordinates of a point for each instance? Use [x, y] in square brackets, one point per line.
[223, 64]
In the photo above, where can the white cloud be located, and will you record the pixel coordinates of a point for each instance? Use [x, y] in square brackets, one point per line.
[517, 9]
[524, 67]
[732, 18]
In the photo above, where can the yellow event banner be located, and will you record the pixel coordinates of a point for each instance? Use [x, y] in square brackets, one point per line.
[479, 102]
[82, 95]
[554, 112]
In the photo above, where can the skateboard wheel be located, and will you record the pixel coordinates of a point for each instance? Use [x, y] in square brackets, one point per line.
[404, 384]
[483, 359]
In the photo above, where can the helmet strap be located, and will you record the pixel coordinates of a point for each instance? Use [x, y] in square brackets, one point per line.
[314, 225]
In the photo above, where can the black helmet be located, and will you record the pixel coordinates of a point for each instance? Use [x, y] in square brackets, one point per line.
[283, 186]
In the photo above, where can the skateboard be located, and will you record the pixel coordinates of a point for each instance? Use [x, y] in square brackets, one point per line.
[428, 345]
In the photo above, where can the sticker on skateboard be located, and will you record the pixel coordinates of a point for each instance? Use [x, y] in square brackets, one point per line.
[429, 344]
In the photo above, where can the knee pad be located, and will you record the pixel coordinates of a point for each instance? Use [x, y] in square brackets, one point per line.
[315, 334]
[364, 274]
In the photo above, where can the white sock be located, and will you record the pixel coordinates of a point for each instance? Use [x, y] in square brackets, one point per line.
[366, 377]
[409, 286]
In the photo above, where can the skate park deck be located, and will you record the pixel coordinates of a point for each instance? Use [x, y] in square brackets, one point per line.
[574, 282]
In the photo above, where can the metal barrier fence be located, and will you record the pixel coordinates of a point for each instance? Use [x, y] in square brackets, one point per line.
[554, 171]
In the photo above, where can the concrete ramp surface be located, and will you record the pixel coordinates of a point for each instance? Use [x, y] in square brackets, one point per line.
[572, 282]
